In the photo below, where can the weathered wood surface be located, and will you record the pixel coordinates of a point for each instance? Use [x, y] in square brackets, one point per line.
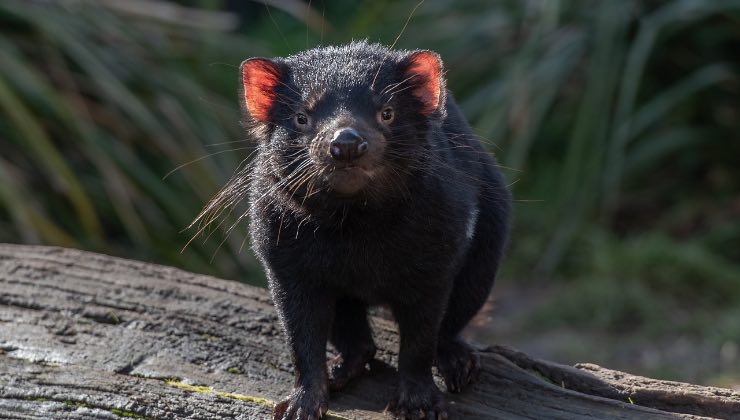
[84, 335]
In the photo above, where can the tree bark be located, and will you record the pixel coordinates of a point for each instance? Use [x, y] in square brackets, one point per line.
[84, 335]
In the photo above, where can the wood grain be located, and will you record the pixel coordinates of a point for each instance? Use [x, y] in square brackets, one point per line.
[84, 335]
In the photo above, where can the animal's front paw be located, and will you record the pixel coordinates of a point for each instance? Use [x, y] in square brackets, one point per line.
[418, 400]
[302, 404]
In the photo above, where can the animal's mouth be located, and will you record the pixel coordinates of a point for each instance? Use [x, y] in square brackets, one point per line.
[349, 180]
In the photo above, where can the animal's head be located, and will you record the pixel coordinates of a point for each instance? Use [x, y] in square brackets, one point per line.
[348, 122]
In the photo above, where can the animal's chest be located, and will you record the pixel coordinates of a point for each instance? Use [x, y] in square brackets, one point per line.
[378, 262]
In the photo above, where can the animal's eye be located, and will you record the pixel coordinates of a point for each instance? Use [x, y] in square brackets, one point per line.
[386, 115]
[301, 119]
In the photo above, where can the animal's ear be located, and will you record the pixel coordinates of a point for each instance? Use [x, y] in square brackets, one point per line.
[259, 78]
[424, 71]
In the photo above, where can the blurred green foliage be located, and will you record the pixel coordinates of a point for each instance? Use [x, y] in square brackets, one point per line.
[98, 107]
[619, 122]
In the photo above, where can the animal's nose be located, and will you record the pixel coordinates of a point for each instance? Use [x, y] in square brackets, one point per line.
[347, 145]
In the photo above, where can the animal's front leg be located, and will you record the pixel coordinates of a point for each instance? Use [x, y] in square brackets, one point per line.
[306, 315]
[417, 396]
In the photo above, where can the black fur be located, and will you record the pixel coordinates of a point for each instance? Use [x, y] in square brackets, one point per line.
[405, 239]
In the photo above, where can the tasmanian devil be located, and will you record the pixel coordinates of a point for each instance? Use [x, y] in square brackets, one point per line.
[369, 187]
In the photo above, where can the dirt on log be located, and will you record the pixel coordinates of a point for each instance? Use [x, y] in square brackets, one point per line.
[84, 335]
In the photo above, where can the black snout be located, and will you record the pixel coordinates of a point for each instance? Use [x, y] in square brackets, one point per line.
[347, 145]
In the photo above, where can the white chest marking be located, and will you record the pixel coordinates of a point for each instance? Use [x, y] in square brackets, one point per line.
[472, 222]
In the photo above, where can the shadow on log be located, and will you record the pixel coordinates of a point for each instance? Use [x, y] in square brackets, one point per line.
[84, 335]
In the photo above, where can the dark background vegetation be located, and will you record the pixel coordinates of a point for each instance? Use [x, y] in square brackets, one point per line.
[618, 123]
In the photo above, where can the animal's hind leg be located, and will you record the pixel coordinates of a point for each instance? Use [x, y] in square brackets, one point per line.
[353, 340]
[457, 361]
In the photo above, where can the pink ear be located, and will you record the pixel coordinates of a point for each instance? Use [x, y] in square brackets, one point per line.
[260, 76]
[426, 68]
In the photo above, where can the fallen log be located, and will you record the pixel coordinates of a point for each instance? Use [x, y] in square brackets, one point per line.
[84, 335]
